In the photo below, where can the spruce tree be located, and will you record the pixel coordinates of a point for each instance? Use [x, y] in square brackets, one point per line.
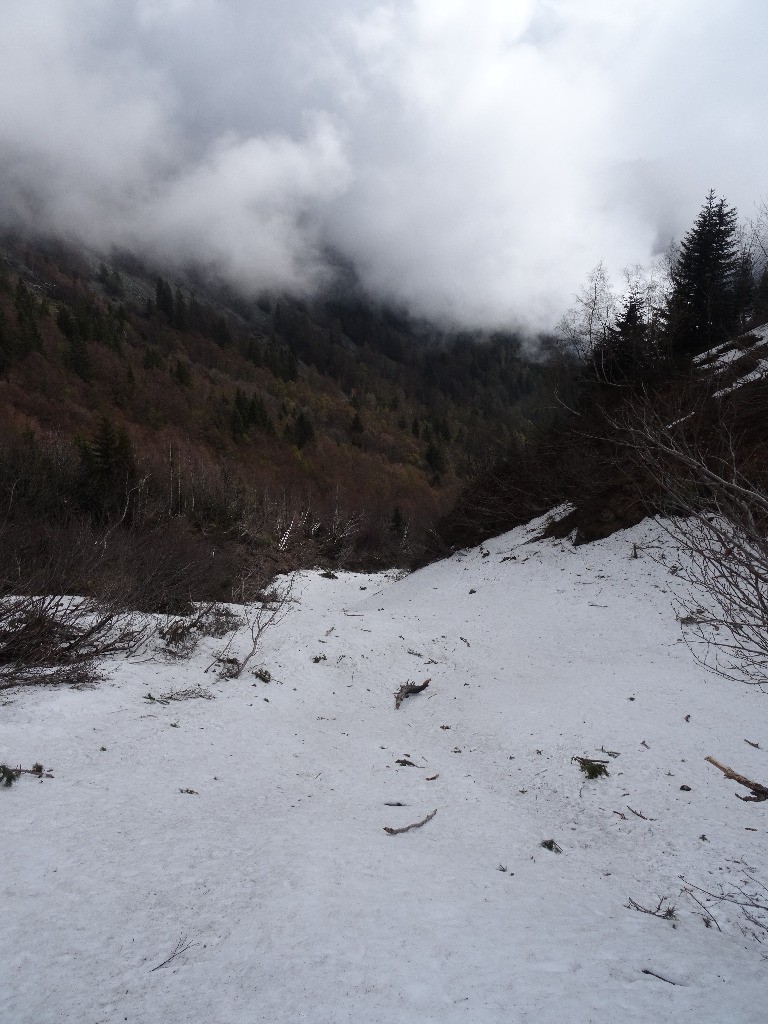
[760, 299]
[743, 289]
[702, 307]
[629, 352]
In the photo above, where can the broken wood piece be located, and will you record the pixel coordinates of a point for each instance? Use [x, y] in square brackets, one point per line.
[407, 828]
[661, 977]
[431, 778]
[407, 689]
[759, 792]
[638, 814]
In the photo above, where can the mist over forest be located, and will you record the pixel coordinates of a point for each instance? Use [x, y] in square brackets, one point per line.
[473, 163]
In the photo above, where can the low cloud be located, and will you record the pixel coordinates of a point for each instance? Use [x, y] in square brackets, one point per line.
[473, 161]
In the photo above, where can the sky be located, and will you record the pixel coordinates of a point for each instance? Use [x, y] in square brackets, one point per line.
[473, 160]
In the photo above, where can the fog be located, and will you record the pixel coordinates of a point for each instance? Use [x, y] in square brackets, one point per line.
[473, 160]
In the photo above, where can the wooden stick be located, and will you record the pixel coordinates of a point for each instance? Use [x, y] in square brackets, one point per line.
[759, 792]
[416, 824]
[661, 977]
[407, 689]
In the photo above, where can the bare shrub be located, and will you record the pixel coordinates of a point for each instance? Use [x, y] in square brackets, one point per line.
[218, 620]
[259, 617]
[189, 693]
[181, 634]
[39, 635]
[748, 894]
[705, 462]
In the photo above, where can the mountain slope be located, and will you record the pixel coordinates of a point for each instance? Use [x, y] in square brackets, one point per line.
[276, 873]
[339, 408]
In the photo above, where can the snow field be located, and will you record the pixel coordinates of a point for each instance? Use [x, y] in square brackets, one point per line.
[276, 872]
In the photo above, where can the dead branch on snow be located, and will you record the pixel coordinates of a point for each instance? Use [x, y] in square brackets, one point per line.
[759, 792]
[407, 828]
[407, 689]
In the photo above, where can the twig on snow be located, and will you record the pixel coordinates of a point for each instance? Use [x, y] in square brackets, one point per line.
[665, 913]
[181, 947]
[639, 814]
[653, 974]
[407, 689]
[708, 915]
[407, 828]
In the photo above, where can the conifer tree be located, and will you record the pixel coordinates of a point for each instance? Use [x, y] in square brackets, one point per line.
[629, 353]
[702, 307]
[5, 345]
[743, 289]
[760, 299]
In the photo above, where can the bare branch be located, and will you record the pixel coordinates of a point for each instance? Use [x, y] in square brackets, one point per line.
[416, 824]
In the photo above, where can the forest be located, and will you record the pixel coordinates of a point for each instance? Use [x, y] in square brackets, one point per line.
[161, 421]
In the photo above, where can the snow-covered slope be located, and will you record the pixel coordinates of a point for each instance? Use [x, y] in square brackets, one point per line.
[275, 879]
[737, 362]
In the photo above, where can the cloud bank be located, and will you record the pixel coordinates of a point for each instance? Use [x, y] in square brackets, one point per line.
[474, 160]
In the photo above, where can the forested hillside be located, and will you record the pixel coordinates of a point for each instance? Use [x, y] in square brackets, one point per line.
[327, 432]
[667, 385]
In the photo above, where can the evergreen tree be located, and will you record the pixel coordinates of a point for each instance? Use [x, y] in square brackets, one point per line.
[29, 336]
[77, 358]
[397, 523]
[164, 298]
[628, 354]
[5, 345]
[743, 289]
[183, 374]
[109, 472]
[702, 307]
[220, 332]
[435, 459]
[179, 311]
[258, 415]
[760, 300]
[301, 432]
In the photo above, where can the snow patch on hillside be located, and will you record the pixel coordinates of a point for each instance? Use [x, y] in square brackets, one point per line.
[275, 880]
[738, 362]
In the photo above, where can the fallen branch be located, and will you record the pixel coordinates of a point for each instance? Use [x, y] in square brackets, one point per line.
[665, 913]
[708, 916]
[759, 792]
[407, 689]
[416, 824]
[661, 977]
[639, 814]
[35, 772]
[181, 947]
[9, 775]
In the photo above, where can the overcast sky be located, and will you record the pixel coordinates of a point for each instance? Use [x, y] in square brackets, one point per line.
[474, 159]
